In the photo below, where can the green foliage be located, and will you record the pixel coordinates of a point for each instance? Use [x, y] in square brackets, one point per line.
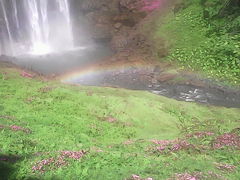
[62, 117]
[200, 39]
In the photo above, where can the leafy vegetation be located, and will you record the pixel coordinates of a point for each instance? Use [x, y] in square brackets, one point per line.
[56, 131]
[204, 35]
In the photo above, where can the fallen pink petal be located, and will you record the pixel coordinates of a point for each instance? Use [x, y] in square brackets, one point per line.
[227, 140]
[26, 75]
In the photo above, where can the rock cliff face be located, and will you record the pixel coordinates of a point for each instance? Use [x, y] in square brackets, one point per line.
[115, 21]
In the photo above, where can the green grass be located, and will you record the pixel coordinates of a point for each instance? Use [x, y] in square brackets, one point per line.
[200, 44]
[64, 117]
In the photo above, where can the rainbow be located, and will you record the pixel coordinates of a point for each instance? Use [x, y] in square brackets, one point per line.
[100, 70]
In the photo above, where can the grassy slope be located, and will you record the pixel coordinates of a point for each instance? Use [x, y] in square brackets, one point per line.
[192, 43]
[63, 117]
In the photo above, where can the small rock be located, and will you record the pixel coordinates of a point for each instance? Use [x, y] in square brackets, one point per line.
[166, 77]
[154, 81]
[196, 83]
[117, 25]
[157, 69]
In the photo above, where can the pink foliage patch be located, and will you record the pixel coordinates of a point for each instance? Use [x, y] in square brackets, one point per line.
[151, 5]
[186, 176]
[225, 167]
[128, 142]
[57, 162]
[42, 164]
[73, 154]
[213, 175]
[19, 128]
[137, 177]
[142, 5]
[26, 75]
[200, 134]
[110, 119]
[15, 128]
[172, 145]
[132, 4]
[180, 145]
[227, 140]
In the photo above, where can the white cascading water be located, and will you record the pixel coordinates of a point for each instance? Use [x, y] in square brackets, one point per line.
[34, 26]
[9, 47]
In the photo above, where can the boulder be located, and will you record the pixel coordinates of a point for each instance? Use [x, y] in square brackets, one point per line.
[117, 25]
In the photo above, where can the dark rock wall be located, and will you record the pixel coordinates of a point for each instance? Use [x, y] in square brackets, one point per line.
[107, 21]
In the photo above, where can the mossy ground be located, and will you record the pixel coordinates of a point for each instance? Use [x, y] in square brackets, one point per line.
[113, 126]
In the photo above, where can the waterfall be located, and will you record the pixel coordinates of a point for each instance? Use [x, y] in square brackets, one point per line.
[7, 28]
[34, 26]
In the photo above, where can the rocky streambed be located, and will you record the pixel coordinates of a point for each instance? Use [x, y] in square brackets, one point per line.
[170, 83]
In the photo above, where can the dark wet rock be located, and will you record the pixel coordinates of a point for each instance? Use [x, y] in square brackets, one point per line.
[99, 18]
[100, 5]
[196, 83]
[157, 69]
[91, 5]
[132, 5]
[104, 19]
[166, 77]
[92, 17]
[120, 17]
[102, 33]
[120, 43]
[129, 19]
[107, 20]
[139, 41]
[111, 5]
[141, 5]
[127, 39]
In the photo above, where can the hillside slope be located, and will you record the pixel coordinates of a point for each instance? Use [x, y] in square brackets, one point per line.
[56, 131]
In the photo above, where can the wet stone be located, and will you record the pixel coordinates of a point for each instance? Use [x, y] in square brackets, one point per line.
[166, 77]
[117, 25]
